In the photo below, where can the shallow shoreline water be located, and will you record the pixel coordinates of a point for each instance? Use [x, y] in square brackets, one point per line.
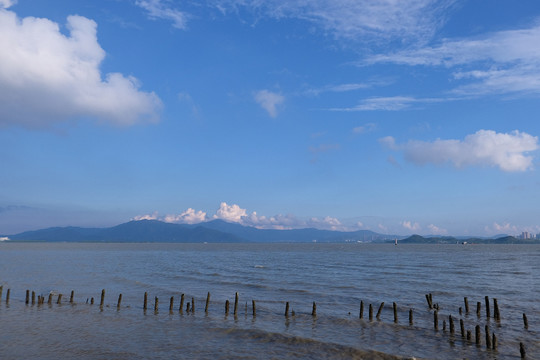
[336, 276]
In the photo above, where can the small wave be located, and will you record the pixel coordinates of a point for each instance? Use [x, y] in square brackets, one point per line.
[259, 266]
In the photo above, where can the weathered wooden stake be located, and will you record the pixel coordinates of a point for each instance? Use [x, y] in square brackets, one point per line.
[410, 316]
[522, 350]
[91, 300]
[181, 308]
[477, 334]
[226, 307]
[102, 298]
[488, 312]
[236, 304]
[119, 302]
[192, 305]
[488, 338]
[525, 321]
[451, 321]
[494, 342]
[496, 312]
[361, 309]
[379, 311]
[314, 311]
[370, 312]
[49, 301]
[462, 328]
[71, 297]
[444, 325]
[187, 307]
[1, 289]
[253, 308]
[436, 320]
[171, 304]
[286, 309]
[466, 301]
[478, 308]
[27, 297]
[469, 335]
[145, 303]
[33, 297]
[156, 303]
[460, 311]
[395, 312]
[59, 301]
[207, 302]
[430, 305]
[7, 295]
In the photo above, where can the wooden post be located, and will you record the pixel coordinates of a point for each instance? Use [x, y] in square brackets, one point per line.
[478, 308]
[207, 302]
[525, 321]
[451, 321]
[27, 297]
[496, 313]
[236, 304]
[522, 350]
[379, 311]
[33, 298]
[192, 305]
[477, 333]
[488, 313]
[361, 309]
[156, 302]
[370, 312]
[469, 335]
[314, 311]
[430, 305]
[119, 302]
[462, 328]
[187, 307]
[7, 295]
[171, 304]
[494, 342]
[59, 301]
[102, 298]
[181, 308]
[488, 338]
[410, 316]
[286, 309]
[1, 289]
[71, 297]
[49, 301]
[91, 301]
[466, 301]
[444, 325]
[436, 320]
[253, 307]
[395, 312]
[145, 303]
[226, 307]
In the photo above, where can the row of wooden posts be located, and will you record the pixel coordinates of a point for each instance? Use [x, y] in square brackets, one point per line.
[490, 337]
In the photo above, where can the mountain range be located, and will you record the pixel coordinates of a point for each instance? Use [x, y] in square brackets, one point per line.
[216, 231]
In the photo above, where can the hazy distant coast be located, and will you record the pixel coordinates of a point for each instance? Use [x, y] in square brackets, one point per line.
[219, 231]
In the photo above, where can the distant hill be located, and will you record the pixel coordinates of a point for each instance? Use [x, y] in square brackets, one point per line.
[417, 239]
[212, 231]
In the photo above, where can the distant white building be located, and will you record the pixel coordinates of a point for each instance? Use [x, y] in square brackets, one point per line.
[4, 238]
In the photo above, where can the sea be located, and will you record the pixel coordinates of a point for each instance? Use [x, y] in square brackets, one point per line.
[337, 278]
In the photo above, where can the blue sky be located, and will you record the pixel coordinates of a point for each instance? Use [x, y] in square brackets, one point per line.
[399, 117]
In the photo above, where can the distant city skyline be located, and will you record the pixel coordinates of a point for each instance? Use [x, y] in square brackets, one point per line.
[396, 117]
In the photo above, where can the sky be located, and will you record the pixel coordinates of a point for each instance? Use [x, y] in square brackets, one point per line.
[400, 117]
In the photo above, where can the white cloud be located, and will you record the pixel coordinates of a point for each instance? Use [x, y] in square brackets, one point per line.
[153, 216]
[269, 101]
[366, 128]
[47, 77]
[507, 151]
[361, 20]
[157, 9]
[410, 225]
[190, 216]
[501, 62]
[435, 230]
[231, 213]
[7, 3]
[392, 103]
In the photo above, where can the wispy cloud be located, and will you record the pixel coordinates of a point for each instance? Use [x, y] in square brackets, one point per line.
[500, 62]
[7, 3]
[360, 20]
[269, 101]
[47, 77]
[435, 230]
[409, 225]
[507, 151]
[392, 103]
[366, 128]
[160, 9]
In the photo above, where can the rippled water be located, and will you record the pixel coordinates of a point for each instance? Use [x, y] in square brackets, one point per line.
[335, 276]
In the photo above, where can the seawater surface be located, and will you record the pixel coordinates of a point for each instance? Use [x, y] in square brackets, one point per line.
[334, 276]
